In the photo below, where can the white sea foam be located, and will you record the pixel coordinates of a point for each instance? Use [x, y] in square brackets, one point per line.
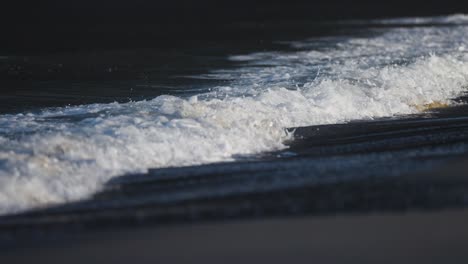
[453, 19]
[66, 154]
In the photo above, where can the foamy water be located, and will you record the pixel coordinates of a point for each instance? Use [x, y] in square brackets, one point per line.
[66, 154]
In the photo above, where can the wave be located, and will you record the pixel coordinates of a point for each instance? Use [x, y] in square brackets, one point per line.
[65, 154]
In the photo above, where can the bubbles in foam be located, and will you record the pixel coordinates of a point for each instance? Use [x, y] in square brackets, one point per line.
[66, 154]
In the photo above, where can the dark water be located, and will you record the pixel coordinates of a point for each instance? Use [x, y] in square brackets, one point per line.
[133, 62]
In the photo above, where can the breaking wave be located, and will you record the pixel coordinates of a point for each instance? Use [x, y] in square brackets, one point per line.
[65, 154]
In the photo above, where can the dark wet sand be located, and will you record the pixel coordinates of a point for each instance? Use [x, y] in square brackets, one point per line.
[417, 237]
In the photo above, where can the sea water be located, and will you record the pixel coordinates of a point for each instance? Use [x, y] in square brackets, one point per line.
[56, 155]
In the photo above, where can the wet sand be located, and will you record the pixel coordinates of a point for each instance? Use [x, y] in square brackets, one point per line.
[416, 237]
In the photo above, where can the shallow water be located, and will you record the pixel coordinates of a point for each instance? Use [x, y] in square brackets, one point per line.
[232, 104]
